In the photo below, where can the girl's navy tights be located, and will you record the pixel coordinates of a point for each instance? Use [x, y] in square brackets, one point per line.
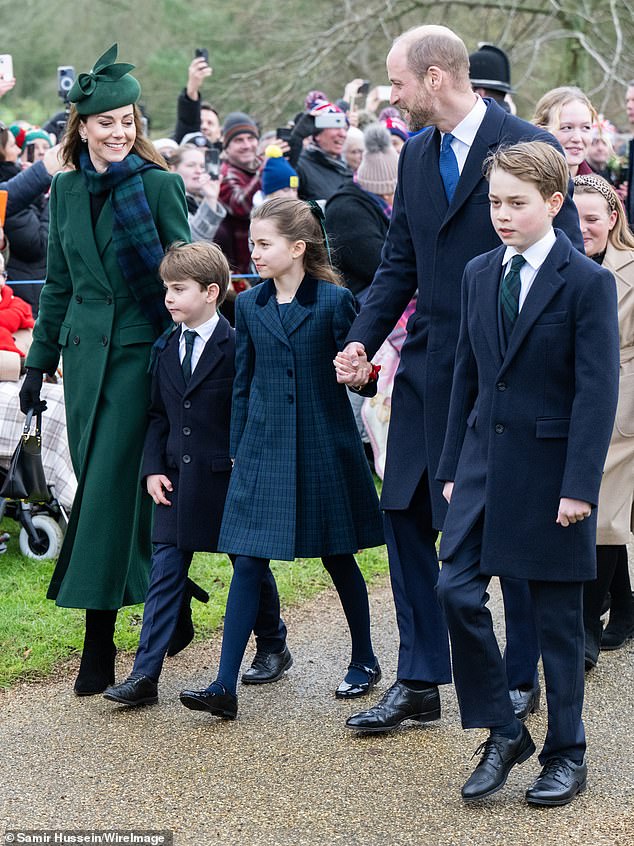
[244, 599]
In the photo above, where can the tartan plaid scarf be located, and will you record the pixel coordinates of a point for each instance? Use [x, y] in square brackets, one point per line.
[136, 241]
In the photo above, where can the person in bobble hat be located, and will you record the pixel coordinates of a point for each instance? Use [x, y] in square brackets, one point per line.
[279, 178]
[101, 307]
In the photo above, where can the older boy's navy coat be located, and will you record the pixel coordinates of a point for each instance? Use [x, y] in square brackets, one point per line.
[188, 441]
[428, 246]
[301, 486]
[533, 426]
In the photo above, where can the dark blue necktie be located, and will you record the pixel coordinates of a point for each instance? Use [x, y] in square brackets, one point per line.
[190, 337]
[448, 164]
[510, 294]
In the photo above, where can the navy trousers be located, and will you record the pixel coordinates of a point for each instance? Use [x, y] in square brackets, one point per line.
[478, 667]
[168, 577]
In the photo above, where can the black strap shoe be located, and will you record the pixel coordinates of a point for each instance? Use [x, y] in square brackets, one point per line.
[499, 755]
[137, 689]
[351, 690]
[268, 667]
[558, 783]
[219, 702]
[525, 702]
[398, 703]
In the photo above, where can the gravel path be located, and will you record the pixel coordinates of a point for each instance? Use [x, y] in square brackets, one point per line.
[287, 772]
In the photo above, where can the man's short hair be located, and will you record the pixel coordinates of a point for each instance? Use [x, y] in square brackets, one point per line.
[532, 161]
[201, 261]
[440, 46]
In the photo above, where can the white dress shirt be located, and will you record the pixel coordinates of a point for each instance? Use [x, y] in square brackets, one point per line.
[203, 334]
[535, 256]
[465, 132]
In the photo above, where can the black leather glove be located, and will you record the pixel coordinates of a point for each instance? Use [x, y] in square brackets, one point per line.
[30, 391]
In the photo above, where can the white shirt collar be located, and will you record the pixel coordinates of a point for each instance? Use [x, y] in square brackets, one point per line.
[535, 255]
[467, 129]
[204, 331]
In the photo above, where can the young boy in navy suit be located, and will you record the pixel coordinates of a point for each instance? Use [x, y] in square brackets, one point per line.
[186, 463]
[531, 414]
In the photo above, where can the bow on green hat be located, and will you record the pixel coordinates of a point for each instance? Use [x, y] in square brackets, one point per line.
[107, 86]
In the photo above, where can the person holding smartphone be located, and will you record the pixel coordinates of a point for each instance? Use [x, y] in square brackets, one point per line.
[321, 167]
[202, 187]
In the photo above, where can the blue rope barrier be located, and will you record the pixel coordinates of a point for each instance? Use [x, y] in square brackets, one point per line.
[12, 283]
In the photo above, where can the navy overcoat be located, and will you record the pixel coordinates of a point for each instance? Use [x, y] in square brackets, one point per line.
[301, 485]
[428, 246]
[188, 441]
[533, 426]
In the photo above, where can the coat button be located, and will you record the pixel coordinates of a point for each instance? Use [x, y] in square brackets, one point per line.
[104, 340]
[291, 399]
[187, 404]
[499, 428]
[501, 386]
[76, 340]
[187, 459]
[186, 430]
[78, 299]
[108, 300]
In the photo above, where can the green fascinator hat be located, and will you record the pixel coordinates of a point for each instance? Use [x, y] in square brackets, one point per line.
[107, 86]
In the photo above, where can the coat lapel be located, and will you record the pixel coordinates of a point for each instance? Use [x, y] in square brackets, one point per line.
[103, 229]
[172, 362]
[616, 261]
[546, 284]
[211, 357]
[82, 232]
[298, 310]
[487, 291]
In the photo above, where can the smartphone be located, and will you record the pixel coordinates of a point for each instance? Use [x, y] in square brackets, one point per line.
[4, 196]
[212, 162]
[364, 87]
[30, 153]
[65, 79]
[6, 66]
[202, 53]
[283, 133]
[384, 92]
[331, 120]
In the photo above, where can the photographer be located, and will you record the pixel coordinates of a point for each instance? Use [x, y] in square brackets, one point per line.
[201, 189]
[192, 113]
[321, 167]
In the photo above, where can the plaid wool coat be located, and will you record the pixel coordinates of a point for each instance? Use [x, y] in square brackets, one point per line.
[301, 485]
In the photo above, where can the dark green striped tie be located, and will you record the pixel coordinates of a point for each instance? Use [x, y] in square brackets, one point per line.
[190, 337]
[510, 294]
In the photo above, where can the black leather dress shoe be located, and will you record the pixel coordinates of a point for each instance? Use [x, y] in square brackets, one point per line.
[558, 783]
[525, 702]
[352, 690]
[499, 755]
[268, 667]
[620, 628]
[222, 704]
[135, 690]
[398, 703]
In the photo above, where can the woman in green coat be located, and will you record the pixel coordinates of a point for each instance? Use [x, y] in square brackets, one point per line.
[111, 219]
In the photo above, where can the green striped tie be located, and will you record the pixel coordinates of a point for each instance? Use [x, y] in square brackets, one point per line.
[510, 293]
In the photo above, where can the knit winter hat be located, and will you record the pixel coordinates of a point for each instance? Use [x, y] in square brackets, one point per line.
[238, 123]
[323, 107]
[314, 97]
[19, 133]
[277, 173]
[107, 86]
[379, 167]
[34, 134]
[396, 126]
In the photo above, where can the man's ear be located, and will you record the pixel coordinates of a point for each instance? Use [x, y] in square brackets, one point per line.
[555, 202]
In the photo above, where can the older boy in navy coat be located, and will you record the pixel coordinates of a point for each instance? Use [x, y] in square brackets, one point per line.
[186, 463]
[531, 414]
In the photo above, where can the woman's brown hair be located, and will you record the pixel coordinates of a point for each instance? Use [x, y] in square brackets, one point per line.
[72, 144]
[619, 236]
[296, 221]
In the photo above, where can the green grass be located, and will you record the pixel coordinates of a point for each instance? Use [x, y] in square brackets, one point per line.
[36, 636]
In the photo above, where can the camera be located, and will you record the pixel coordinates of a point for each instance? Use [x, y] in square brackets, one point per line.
[202, 53]
[212, 162]
[65, 79]
[331, 120]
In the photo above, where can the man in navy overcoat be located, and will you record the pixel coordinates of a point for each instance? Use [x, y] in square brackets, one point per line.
[435, 230]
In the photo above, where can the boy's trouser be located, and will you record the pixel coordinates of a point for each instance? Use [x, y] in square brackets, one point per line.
[478, 667]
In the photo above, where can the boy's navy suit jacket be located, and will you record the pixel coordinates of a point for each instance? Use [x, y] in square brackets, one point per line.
[188, 440]
[533, 426]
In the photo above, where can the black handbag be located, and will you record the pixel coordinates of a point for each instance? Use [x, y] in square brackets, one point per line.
[25, 477]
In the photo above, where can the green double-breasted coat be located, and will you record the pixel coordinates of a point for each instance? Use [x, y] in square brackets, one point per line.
[89, 314]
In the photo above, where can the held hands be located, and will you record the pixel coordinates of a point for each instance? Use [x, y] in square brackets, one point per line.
[352, 366]
[572, 511]
[156, 484]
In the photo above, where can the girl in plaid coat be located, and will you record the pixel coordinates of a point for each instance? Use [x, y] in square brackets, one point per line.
[301, 486]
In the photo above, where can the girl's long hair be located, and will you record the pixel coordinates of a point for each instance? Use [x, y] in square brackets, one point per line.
[296, 221]
[72, 144]
[620, 235]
